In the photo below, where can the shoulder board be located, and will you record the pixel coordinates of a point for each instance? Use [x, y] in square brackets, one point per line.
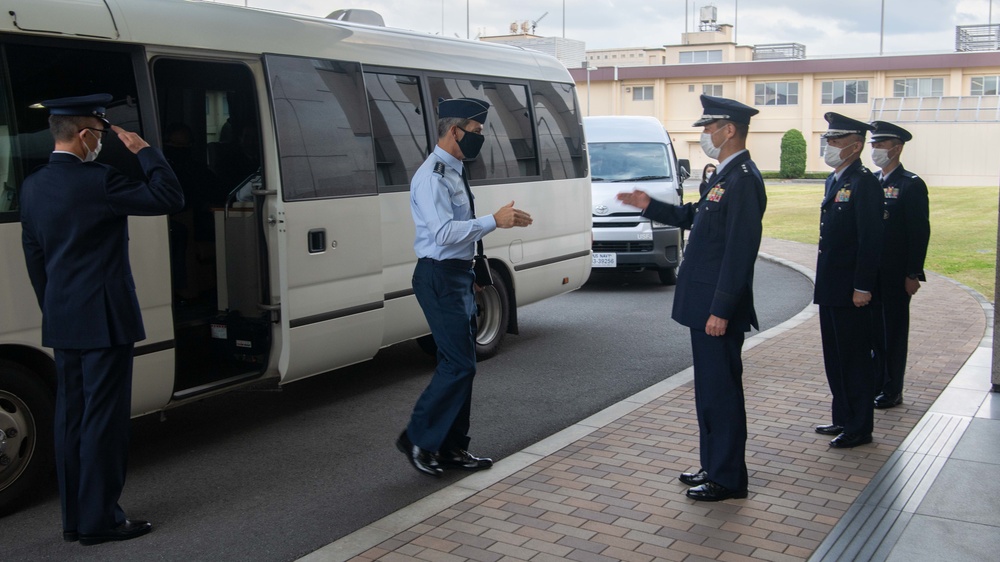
[910, 174]
[439, 168]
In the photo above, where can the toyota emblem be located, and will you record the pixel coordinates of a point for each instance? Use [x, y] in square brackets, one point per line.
[601, 210]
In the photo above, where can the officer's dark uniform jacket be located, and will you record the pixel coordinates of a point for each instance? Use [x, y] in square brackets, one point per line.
[75, 237]
[907, 231]
[850, 238]
[716, 276]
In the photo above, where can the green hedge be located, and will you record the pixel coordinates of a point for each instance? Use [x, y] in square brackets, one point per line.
[773, 175]
[793, 154]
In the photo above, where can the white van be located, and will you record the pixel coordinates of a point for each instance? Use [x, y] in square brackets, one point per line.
[629, 153]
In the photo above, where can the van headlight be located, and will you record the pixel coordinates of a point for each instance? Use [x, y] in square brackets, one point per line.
[659, 224]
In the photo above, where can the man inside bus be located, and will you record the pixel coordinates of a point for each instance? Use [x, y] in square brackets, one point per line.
[74, 217]
[447, 229]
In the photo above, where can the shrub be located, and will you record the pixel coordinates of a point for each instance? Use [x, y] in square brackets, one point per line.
[793, 154]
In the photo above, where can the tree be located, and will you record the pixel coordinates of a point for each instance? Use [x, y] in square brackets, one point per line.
[793, 154]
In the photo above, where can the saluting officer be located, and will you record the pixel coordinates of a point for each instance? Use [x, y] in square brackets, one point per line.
[714, 294]
[907, 232]
[446, 234]
[850, 249]
[74, 217]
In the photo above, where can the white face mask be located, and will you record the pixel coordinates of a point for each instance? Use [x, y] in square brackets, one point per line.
[708, 147]
[880, 156]
[92, 154]
[832, 156]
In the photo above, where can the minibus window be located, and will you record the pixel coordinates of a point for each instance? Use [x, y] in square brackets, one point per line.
[509, 150]
[398, 125]
[323, 127]
[560, 132]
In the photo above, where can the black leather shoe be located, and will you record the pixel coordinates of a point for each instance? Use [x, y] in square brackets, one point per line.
[126, 531]
[421, 460]
[694, 478]
[463, 460]
[848, 440]
[831, 429]
[71, 536]
[712, 492]
[888, 401]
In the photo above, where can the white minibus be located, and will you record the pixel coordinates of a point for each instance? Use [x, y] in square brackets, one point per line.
[323, 124]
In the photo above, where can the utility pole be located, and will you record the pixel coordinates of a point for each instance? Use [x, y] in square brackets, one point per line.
[881, 33]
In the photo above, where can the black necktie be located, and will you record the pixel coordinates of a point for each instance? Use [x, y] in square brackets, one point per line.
[472, 207]
[468, 191]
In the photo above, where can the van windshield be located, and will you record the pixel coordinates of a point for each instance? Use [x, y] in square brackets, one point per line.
[629, 161]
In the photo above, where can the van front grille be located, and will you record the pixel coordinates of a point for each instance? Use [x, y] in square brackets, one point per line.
[635, 246]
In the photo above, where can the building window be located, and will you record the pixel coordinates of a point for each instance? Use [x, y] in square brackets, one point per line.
[689, 57]
[776, 93]
[845, 91]
[918, 87]
[712, 90]
[641, 93]
[985, 85]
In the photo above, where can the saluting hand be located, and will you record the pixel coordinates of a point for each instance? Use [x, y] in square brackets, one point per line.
[637, 198]
[508, 217]
[132, 141]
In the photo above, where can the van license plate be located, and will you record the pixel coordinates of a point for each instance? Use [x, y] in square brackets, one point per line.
[605, 260]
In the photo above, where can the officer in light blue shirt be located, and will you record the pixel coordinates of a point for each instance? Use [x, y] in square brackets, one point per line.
[442, 215]
[446, 233]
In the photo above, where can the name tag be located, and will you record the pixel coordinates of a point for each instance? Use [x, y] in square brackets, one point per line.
[716, 193]
[843, 196]
[892, 192]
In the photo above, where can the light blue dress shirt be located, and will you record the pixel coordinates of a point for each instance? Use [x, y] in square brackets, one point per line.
[442, 213]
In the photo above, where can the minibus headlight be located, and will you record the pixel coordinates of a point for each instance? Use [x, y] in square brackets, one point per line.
[659, 224]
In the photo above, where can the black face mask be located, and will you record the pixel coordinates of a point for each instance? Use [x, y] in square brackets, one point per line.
[471, 144]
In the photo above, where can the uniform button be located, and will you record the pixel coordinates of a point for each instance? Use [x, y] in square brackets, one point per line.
[821, 251]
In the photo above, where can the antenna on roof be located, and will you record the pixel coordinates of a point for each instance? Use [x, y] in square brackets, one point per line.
[367, 17]
[534, 23]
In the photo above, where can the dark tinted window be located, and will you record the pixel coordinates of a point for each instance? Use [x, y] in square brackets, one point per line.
[42, 73]
[323, 128]
[398, 126]
[509, 150]
[560, 132]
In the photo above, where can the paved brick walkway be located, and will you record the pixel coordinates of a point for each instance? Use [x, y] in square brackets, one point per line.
[613, 494]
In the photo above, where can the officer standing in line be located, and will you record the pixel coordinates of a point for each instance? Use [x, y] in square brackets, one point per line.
[714, 293]
[850, 249]
[907, 232]
[446, 232]
[74, 216]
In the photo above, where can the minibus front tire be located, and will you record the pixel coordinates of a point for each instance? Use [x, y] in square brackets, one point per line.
[26, 416]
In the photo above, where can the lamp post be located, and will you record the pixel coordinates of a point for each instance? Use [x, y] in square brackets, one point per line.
[881, 33]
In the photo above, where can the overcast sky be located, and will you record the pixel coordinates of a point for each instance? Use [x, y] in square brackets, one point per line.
[825, 27]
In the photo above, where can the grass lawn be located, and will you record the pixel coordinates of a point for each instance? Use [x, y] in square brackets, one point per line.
[963, 227]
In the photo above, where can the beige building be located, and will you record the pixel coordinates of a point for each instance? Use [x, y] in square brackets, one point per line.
[948, 101]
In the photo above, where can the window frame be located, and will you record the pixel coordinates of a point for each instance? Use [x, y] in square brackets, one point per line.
[787, 95]
[145, 110]
[983, 87]
[906, 86]
[830, 98]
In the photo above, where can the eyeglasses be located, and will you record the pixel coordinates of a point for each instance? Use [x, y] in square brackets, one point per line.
[102, 131]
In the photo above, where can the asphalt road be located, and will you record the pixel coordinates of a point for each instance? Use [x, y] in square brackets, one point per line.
[272, 475]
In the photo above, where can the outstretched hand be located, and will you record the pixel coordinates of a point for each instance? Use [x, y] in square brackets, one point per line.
[508, 217]
[637, 198]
